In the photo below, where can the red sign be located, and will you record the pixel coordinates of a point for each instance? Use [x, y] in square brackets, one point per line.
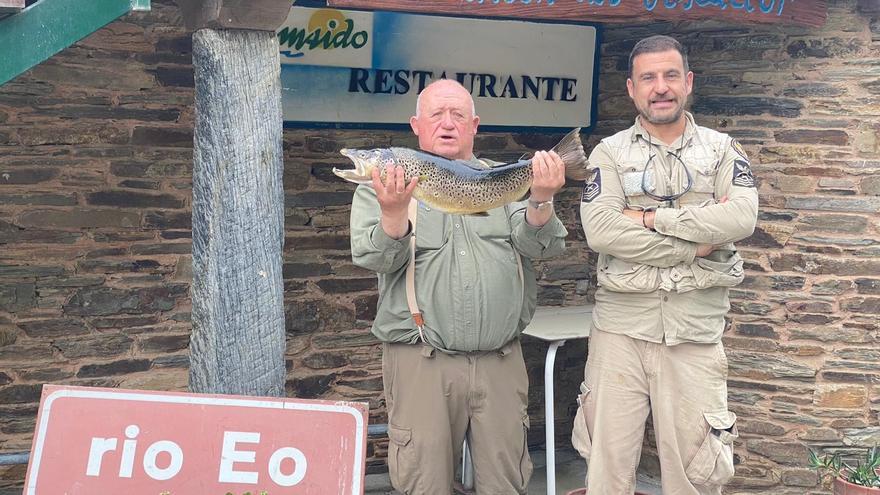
[801, 12]
[94, 441]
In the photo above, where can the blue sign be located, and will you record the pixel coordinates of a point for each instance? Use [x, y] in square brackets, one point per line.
[347, 69]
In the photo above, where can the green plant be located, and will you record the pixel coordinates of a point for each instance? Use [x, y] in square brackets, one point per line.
[862, 474]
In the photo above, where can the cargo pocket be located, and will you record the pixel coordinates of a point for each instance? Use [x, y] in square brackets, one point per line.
[525, 463]
[580, 433]
[713, 463]
[719, 273]
[400, 457]
[624, 276]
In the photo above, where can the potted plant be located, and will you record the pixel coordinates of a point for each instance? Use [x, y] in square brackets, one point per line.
[861, 479]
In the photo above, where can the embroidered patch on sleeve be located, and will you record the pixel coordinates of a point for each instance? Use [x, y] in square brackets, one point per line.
[593, 187]
[738, 148]
[742, 174]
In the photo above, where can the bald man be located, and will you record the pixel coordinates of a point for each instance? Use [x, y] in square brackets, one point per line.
[461, 372]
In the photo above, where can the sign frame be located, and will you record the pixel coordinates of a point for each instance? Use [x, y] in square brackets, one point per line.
[594, 90]
[53, 393]
[611, 11]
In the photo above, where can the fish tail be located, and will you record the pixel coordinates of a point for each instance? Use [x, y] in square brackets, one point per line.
[571, 150]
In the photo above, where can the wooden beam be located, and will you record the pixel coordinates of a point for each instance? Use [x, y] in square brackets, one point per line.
[799, 12]
[49, 26]
[258, 15]
[237, 344]
[11, 6]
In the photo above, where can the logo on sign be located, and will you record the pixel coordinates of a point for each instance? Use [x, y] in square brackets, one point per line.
[327, 29]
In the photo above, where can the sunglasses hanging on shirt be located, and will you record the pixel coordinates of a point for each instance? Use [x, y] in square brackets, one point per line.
[672, 197]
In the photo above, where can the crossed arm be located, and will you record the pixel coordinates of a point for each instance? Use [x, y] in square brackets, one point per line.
[668, 236]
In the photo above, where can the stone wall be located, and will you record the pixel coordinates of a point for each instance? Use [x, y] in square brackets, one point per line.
[95, 194]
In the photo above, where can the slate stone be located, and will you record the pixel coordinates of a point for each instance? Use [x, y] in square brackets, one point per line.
[51, 328]
[174, 77]
[168, 220]
[785, 453]
[343, 285]
[365, 306]
[870, 286]
[80, 218]
[165, 344]
[121, 367]
[325, 360]
[39, 199]
[319, 199]
[16, 297]
[17, 176]
[866, 305]
[102, 346]
[813, 136]
[814, 89]
[161, 136]
[131, 199]
[569, 271]
[862, 205]
[305, 270]
[309, 387]
[731, 105]
[753, 364]
[20, 394]
[756, 330]
[102, 301]
[800, 477]
[172, 361]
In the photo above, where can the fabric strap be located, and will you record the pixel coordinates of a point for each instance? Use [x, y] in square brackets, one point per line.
[411, 271]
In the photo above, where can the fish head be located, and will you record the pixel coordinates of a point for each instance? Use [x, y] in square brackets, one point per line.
[364, 163]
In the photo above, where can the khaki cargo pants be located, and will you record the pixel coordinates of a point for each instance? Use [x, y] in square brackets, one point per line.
[683, 386]
[434, 399]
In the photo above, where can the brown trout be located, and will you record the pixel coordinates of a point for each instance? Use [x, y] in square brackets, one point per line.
[458, 186]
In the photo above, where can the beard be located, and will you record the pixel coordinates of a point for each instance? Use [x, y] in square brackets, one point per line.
[660, 119]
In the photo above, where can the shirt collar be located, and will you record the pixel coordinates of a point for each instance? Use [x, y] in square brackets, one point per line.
[689, 129]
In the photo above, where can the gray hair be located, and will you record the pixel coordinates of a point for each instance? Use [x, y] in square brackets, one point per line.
[656, 44]
[419, 97]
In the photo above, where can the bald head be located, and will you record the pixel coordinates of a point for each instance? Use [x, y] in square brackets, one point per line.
[448, 84]
[445, 120]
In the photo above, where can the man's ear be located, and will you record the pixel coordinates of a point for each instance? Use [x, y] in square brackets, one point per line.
[629, 86]
[690, 82]
[414, 124]
[476, 123]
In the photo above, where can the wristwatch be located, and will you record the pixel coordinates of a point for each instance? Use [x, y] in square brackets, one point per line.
[541, 205]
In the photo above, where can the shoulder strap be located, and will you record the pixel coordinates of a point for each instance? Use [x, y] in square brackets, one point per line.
[417, 317]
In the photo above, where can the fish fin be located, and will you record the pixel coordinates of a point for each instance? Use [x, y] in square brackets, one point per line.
[478, 214]
[571, 150]
[524, 156]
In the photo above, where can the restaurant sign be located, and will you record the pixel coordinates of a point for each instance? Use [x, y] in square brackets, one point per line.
[798, 12]
[365, 69]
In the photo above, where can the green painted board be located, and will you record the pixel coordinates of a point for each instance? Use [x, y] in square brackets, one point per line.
[49, 26]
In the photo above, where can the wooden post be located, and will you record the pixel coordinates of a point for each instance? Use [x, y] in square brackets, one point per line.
[238, 337]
